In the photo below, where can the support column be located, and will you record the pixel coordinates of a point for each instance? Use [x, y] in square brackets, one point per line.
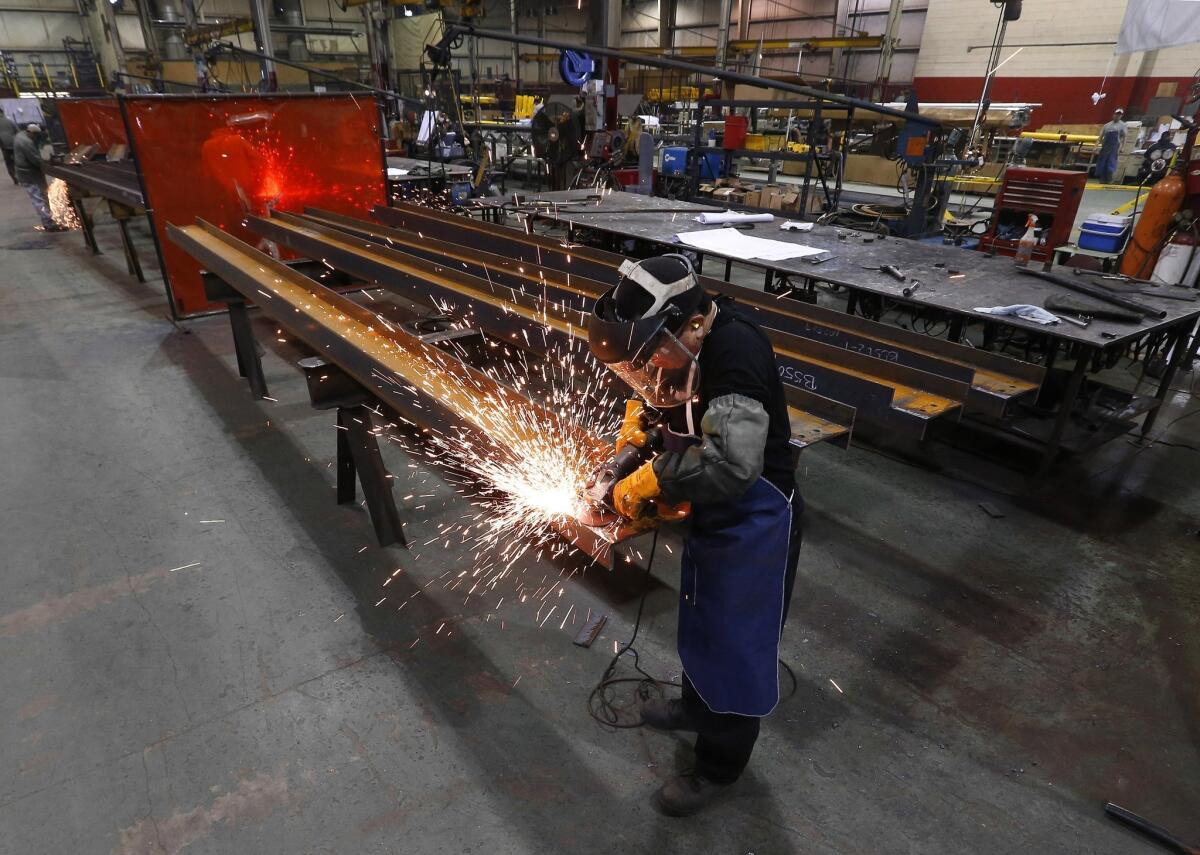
[743, 27]
[516, 48]
[666, 24]
[888, 49]
[101, 25]
[723, 33]
[260, 15]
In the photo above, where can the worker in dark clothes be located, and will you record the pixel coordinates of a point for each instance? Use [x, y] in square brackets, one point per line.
[27, 162]
[712, 374]
[8, 132]
[1112, 137]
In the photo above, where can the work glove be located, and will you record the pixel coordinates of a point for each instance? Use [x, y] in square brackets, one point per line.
[633, 427]
[633, 493]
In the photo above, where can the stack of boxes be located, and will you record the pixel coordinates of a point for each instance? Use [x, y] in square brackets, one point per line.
[771, 197]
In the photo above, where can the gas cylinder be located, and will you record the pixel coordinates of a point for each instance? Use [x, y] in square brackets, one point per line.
[1162, 204]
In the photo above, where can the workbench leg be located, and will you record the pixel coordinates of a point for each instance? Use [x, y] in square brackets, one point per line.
[851, 301]
[355, 436]
[768, 281]
[956, 330]
[728, 268]
[249, 363]
[1065, 408]
[132, 262]
[1178, 348]
[86, 224]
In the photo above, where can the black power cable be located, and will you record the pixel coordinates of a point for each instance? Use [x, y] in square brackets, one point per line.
[601, 704]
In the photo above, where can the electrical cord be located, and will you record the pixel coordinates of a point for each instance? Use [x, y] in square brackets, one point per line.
[601, 704]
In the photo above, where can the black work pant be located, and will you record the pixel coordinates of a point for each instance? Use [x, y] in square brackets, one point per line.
[725, 741]
[8, 164]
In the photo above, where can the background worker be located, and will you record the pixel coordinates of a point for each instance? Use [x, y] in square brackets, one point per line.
[27, 162]
[712, 374]
[1112, 137]
[8, 131]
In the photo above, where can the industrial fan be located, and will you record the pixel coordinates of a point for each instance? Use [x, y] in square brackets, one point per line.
[557, 133]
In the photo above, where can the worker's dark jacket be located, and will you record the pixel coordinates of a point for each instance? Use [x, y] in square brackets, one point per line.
[7, 131]
[27, 161]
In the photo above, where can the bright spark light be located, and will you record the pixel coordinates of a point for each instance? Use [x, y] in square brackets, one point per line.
[61, 209]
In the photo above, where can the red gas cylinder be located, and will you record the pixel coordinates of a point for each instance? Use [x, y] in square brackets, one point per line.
[1162, 204]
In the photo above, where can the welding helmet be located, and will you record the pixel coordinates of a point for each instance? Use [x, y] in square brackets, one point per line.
[634, 329]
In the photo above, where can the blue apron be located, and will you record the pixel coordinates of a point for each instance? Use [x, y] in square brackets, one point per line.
[731, 595]
[1110, 149]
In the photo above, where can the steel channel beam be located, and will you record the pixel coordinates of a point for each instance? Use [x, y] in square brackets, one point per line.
[893, 395]
[399, 369]
[105, 186]
[843, 374]
[995, 379]
[566, 287]
[514, 315]
[502, 240]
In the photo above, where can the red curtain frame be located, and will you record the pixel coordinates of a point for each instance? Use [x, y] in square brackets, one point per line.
[221, 157]
[91, 121]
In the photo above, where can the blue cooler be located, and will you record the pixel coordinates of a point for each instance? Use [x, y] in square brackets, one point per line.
[1104, 232]
[674, 160]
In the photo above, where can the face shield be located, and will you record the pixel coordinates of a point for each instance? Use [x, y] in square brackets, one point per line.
[646, 355]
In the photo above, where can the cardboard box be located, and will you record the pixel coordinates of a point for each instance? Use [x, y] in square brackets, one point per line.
[753, 199]
[771, 197]
[725, 194]
[738, 196]
[790, 201]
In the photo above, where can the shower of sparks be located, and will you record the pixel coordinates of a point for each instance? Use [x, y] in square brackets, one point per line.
[61, 209]
[526, 439]
[525, 480]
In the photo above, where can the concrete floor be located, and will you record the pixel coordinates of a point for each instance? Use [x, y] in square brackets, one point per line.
[997, 679]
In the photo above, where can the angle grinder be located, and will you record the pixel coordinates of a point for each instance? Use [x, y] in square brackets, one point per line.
[596, 504]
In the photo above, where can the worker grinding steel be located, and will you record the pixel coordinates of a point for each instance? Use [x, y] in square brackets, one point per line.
[1112, 137]
[31, 175]
[709, 373]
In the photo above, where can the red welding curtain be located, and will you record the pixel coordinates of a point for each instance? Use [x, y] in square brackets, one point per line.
[91, 121]
[217, 157]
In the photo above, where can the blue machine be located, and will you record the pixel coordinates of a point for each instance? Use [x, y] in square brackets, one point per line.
[576, 67]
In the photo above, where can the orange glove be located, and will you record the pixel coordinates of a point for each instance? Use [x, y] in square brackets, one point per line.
[632, 430]
[631, 494]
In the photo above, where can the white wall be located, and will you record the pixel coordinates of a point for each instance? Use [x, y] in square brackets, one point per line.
[953, 26]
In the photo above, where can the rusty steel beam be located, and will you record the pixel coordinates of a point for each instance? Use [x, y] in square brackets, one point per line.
[892, 395]
[498, 309]
[426, 385]
[995, 380]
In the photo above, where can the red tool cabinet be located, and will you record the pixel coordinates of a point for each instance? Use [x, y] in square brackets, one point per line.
[1052, 195]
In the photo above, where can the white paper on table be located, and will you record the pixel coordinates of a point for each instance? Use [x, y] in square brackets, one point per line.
[735, 244]
[717, 217]
[793, 226]
[396, 172]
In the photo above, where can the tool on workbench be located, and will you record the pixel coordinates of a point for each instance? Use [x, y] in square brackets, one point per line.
[890, 269]
[1094, 291]
[596, 506]
[911, 288]
[1149, 829]
[1059, 303]
[1071, 319]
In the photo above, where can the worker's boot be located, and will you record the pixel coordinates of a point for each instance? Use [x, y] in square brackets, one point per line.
[663, 714]
[688, 794]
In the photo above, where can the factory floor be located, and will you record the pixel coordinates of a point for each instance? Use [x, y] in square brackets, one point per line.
[198, 653]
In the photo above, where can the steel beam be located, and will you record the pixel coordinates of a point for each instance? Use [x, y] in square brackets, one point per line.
[424, 384]
[995, 380]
